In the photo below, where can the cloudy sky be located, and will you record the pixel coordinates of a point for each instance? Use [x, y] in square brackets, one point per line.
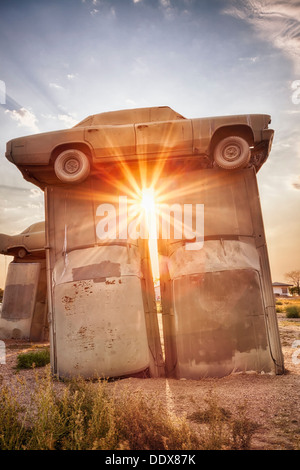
[62, 60]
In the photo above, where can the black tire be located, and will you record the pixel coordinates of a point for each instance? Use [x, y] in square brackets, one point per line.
[232, 152]
[72, 166]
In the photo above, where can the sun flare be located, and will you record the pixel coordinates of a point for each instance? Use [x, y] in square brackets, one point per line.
[148, 200]
[149, 209]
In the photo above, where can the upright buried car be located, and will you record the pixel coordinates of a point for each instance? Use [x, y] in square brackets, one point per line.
[68, 156]
[24, 308]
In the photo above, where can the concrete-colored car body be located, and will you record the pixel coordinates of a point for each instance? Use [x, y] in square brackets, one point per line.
[219, 314]
[138, 134]
[103, 321]
[30, 241]
[24, 309]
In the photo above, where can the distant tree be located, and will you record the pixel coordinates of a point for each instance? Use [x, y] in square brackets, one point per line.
[293, 290]
[294, 277]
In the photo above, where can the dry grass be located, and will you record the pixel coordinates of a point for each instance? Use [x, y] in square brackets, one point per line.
[86, 416]
[239, 411]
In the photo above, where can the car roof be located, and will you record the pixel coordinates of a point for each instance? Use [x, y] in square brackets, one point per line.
[37, 227]
[132, 116]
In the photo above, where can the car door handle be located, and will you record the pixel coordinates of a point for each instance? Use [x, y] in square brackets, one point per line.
[92, 130]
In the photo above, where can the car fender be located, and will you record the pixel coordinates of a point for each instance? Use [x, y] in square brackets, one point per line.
[37, 149]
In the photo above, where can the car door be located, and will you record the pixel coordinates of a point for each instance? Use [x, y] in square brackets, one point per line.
[164, 138]
[111, 141]
[34, 238]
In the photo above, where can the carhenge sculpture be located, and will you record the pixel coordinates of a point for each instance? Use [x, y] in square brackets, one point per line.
[24, 308]
[217, 300]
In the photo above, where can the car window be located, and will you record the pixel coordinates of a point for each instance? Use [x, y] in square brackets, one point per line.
[38, 227]
[86, 122]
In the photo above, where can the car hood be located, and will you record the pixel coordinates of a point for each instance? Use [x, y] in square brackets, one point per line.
[4, 243]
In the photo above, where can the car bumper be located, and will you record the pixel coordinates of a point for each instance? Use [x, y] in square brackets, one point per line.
[4, 243]
[267, 136]
[8, 153]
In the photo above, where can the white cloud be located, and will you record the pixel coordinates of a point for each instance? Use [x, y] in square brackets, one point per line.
[22, 207]
[48, 116]
[24, 117]
[70, 76]
[276, 21]
[165, 3]
[292, 111]
[168, 10]
[67, 119]
[35, 192]
[56, 86]
[130, 102]
[250, 60]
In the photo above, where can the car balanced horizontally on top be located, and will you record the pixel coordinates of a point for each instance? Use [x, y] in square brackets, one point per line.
[146, 134]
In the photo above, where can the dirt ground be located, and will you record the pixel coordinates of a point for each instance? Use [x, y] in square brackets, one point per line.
[271, 401]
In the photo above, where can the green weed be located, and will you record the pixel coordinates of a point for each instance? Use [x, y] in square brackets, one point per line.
[33, 359]
[292, 311]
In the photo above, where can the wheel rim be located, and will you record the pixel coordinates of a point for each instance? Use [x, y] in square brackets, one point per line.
[21, 252]
[231, 153]
[72, 166]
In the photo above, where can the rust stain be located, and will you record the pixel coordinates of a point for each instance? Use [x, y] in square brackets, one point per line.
[112, 336]
[68, 302]
[80, 289]
[82, 331]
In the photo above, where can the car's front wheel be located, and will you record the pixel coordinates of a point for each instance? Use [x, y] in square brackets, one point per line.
[21, 253]
[72, 166]
[232, 152]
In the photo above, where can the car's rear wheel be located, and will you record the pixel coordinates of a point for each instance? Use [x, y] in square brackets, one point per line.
[232, 152]
[72, 166]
